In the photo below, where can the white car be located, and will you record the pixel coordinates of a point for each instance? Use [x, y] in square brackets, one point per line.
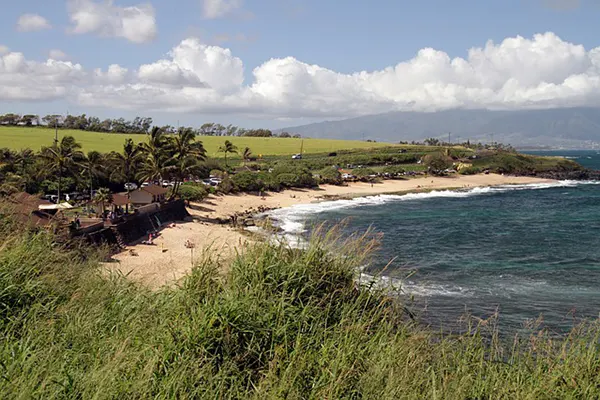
[297, 157]
[130, 186]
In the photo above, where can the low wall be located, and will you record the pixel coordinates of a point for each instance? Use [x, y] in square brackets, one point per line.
[140, 225]
[103, 237]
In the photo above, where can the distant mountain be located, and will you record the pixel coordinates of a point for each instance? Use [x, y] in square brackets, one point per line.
[567, 127]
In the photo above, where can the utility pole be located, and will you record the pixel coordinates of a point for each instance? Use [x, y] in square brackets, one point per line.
[449, 138]
[56, 131]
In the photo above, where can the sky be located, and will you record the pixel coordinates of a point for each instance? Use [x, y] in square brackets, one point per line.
[276, 63]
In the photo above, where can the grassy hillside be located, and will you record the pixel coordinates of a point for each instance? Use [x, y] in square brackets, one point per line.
[282, 323]
[17, 138]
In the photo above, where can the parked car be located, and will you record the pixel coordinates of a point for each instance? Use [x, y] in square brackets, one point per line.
[297, 157]
[146, 184]
[215, 181]
[131, 186]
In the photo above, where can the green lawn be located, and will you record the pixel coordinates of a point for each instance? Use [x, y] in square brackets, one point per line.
[20, 137]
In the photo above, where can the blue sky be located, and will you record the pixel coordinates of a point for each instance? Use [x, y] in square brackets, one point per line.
[341, 38]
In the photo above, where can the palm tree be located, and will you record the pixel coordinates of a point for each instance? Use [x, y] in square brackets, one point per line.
[246, 154]
[8, 160]
[24, 159]
[103, 196]
[227, 147]
[186, 154]
[126, 164]
[156, 156]
[62, 157]
[94, 167]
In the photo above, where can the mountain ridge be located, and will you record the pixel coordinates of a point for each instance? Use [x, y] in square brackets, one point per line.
[577, 127]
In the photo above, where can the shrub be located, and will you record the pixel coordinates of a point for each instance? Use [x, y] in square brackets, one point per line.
[363, 173]
[302, 176]
[470, 171]
[192, 192]
[437, 162]
[393, 170]
[287, 180]
[330, 175]
[226, 186]
[247, 182]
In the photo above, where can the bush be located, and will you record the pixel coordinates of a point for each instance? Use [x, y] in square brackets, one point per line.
[470, 171]
[393, 170]
[288, 180]
[363, 173]
[247, 182]
[437, 163]
[330, 175]
[302, 176]
[192, 192]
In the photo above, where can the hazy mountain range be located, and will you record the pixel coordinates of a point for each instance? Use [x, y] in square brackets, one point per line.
[565, 128]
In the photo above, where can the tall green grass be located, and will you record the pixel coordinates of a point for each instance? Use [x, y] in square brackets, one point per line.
[282, 323]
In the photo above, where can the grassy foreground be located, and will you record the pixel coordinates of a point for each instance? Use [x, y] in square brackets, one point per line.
[282, 324]
[17, 138]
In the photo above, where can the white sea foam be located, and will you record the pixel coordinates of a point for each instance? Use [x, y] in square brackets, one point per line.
[291, 219]
[417, 289]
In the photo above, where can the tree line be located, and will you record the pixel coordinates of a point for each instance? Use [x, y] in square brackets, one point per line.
[139, 125]
[65, 167]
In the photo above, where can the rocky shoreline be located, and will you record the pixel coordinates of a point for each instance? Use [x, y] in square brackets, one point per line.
[580, 175]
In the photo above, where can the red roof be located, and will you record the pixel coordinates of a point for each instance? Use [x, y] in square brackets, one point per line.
[155, 190]
[119, 199]
[26, 208]
[29, 199]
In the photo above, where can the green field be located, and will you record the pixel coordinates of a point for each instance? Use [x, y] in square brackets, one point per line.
[18, 138]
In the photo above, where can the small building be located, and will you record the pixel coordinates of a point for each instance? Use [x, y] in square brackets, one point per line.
[147, 195]
[120, 200]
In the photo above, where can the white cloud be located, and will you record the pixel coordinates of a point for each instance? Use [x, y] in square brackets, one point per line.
[58, 55]
[24, 80]
[219, 8]
[539, 72]
[114, 75]
[135, 23]
[32, 23]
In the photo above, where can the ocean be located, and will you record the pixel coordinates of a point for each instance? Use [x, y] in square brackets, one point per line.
[524, 253]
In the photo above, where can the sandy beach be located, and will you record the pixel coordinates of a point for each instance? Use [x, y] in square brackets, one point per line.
[170, 260]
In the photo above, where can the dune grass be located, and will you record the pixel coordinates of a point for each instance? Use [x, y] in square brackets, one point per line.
[282, 323]
[18, 138]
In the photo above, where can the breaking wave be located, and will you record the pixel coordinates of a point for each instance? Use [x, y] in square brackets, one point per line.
[290, 220]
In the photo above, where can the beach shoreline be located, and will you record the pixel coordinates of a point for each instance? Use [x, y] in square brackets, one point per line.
[169, 259]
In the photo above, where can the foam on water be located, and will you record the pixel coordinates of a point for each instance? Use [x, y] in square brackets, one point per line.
[291, 219]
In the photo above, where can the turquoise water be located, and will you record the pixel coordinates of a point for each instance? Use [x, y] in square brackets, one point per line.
[527, 251]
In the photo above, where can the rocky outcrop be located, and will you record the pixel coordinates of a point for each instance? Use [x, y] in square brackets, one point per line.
[580, 175]
[248, 217]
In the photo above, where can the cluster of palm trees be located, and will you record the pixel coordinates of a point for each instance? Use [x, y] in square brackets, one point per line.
[229, 147]
[173, 157]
